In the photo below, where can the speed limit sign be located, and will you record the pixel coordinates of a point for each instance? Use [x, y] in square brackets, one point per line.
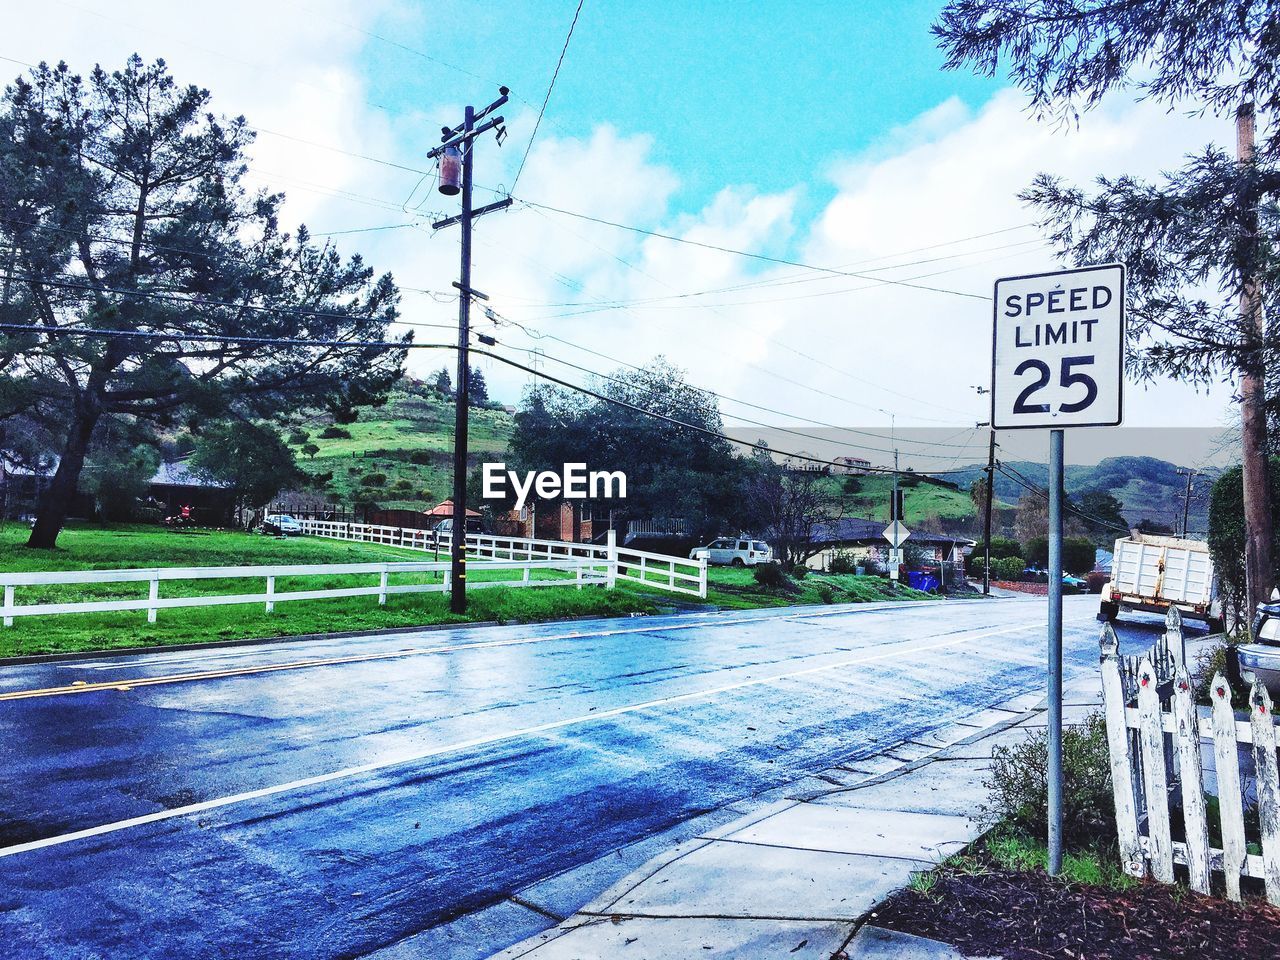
[1058, 352]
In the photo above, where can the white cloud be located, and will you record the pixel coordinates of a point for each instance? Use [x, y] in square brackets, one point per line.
[949, 173]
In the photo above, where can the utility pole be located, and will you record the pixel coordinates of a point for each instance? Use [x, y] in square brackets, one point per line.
[455, 155]
[1190, 473]
[1257, 503]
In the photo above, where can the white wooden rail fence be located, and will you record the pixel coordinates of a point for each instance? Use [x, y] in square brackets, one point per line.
[584, 570]
[663, 572]
[1142, 779]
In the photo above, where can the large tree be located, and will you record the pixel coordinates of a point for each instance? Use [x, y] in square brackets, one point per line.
[672, 470]
[122, 208]
[250, 459]
[788, 503]
[1200, 242]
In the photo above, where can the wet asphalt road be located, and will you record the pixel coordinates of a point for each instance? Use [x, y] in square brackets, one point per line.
[332, 798]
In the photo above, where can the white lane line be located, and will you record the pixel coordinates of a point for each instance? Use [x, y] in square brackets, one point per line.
[480, 645]
[376, 765]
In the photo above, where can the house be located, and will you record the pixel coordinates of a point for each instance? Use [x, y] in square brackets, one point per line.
[863, 539]
[561, 520]
[853, 466]
[430, 519]
[174, 486]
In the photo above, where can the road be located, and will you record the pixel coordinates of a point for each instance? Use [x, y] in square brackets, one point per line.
[336, 798]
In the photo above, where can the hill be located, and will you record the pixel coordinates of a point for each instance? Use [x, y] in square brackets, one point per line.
[400, 454]
[1147, 487]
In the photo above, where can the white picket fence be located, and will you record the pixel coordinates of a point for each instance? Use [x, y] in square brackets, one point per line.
[1155, 750]
[657, 570]
[583, 570]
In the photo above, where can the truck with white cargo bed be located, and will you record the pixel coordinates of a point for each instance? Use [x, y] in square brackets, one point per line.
[1155, 573]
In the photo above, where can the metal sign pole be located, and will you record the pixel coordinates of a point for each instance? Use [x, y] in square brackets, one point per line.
[1055, 651]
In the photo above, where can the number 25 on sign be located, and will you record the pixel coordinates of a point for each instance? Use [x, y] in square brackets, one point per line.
[1058, 351]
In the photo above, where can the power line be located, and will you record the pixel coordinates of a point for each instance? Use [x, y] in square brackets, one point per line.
[1031, 486]
[494, 315]
[758, 423]
[547, 99]
[748, 254]
[299, 342]
[181, 298]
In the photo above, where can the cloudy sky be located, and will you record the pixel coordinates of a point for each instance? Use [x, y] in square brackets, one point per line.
[822, 133]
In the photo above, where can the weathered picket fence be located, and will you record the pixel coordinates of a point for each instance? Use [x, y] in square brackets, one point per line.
[1155, 750]
[583, 571]
[657, 570]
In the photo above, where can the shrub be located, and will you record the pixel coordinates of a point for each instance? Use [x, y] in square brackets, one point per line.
[843, 562]
[771, 576]
[1018, 791]
[373, 479]
[421, 457]
[403, 485]
[1096, 580]
[298, 437]
[1007, 568]
[825, 593]
[335, 433]
[1002, 547]
[1220, 658]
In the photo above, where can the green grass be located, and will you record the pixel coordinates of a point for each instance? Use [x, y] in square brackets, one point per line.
[92, 547]
[920, 502]
[414, 421]
[130, 547]
[736, 588]
[1011, 850]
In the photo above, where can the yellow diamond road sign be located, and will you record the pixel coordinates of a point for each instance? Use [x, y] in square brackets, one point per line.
[896, 533]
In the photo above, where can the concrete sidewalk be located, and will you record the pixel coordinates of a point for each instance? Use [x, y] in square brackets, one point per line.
[800, 877]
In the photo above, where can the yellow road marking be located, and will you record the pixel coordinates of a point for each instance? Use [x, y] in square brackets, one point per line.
[80, 686]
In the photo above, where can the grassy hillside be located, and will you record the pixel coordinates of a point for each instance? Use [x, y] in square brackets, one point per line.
[1148, 488]
[400, 454]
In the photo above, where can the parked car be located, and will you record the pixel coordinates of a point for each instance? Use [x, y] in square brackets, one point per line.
[1078, 582]
[1261, 660]
[734, 551]
[282, 525]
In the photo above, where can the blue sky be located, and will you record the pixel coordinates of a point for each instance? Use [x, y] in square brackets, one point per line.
[769, 94]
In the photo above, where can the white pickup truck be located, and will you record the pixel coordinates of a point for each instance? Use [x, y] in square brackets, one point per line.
[1155, 573]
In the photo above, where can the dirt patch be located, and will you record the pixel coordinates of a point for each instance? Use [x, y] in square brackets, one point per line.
[1030, 916]
[1038, 589]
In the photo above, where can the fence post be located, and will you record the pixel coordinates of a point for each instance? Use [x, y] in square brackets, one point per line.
[1191, 767]
[702, 577]
[382, 586]
[611, 558]
[1264, 760]
[8, 605]
[153, 596]
[1230, 802]
[1118, 746]
[1154, 782]
[1174, 639]
[577, 570]
[271, 592]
